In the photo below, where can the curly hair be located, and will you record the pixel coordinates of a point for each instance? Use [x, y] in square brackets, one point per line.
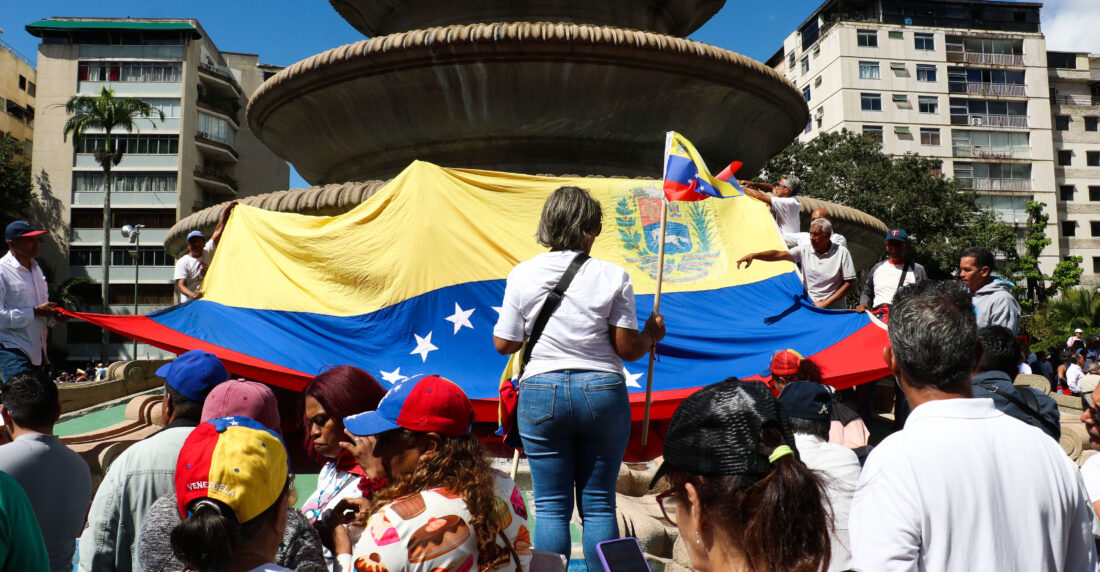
[780, 522]
[460, 466]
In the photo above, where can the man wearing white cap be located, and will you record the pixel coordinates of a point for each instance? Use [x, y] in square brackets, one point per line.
[191, 267]
[1076, 337]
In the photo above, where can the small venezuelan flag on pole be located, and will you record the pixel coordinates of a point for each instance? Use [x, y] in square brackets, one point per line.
[686, 175]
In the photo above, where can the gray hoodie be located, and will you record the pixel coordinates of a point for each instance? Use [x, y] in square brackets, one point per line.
[995, 306]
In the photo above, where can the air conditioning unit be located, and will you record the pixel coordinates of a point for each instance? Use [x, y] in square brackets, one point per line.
[976, 120]
[819, 113]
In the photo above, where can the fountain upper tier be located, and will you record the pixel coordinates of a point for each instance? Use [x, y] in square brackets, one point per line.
[522, 97]
[672, 17]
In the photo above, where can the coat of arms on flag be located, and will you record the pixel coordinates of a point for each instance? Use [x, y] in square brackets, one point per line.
[691, 244]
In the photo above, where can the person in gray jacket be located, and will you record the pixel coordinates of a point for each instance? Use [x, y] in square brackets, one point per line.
[993, 301]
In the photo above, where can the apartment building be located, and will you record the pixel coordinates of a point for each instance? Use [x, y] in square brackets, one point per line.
[196, 157]
[17, 98]
[1074, 80]
[964, 81]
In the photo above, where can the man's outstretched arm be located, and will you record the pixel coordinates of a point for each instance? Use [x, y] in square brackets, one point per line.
[767, 256]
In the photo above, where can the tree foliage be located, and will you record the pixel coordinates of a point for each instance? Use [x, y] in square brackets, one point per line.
[905, 192]
[16, 191]
[1032, 285]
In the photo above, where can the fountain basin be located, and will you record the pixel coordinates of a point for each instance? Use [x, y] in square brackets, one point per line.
[522, 97]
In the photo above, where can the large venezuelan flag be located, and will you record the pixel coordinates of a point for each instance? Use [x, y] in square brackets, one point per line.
[406, 284]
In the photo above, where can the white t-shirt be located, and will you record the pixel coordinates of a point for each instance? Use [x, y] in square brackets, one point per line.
[886, 281]
[840, 468]
[192, 269]
[786, 211]
[1074, 373]
[824, 273]
[577, 336]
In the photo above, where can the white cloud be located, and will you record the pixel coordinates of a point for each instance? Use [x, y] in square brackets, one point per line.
[1071, 25]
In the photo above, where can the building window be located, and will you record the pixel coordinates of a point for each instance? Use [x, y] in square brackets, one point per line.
[85, 255]
[926, 73]
[151, 218]
[1096, 264]
[805, 64]
[133, 144]
[22, 83]
[873, 132]
[790, 61]
[868, 70]
[1092, 158]
[1061, 122]
[928, 104]
[1090, 122]
[1065, 158]
[1094, 193]
[216, 129]
[809, 126]
[929, 136]
[125, 181]
[817, 81]
[896, 35]
[924, 41]
[870, 102]
[1065, 193]
[1094, 227]
[32, 90]
[1069, 228]
[149, 255]
[137, 72]
[867, 38]
[806, 93]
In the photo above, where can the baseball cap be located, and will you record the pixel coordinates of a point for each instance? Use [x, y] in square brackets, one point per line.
[20, 229]
[240, 397]
[193, 234]
[427, 404]
[807, 400]
[786, 362]
[194, 374]
[717, 430]
[235, 461]
[1078, 331]
[897, 234]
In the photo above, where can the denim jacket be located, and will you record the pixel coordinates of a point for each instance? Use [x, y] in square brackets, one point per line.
[135, 480]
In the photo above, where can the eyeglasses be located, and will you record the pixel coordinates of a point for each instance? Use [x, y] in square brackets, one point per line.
[668, 503]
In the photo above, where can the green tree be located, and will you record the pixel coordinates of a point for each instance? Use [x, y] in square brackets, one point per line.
[1032, 285]
[106, 113]
[1073, 308]
[16, 191]
[904, 192]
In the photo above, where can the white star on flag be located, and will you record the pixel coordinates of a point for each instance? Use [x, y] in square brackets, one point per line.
[423, 346]
[497, 309]
[393, 376]
[632, 378]
[460, 318]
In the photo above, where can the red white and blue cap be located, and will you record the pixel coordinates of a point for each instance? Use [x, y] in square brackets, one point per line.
[429, 404]
[235, 461]
[897, 234]
[20, 229]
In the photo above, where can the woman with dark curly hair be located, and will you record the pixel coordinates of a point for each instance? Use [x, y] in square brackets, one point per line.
[737, 490]
[329, 397]
[444, 508]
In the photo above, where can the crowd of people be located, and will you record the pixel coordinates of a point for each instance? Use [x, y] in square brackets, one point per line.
[769, 476]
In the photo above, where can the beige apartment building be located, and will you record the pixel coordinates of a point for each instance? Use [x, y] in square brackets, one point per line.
[196, 157]
[1074, 80]
[964, 81]
[17, 98]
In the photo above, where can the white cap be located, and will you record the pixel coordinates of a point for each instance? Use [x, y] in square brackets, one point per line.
[1077, 331]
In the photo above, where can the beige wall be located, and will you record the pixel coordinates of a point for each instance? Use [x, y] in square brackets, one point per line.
[11, 67]
[264, 171]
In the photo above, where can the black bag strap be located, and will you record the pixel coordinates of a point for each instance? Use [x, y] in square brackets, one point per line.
[553, 300]
[1031, 407]
[904, 271]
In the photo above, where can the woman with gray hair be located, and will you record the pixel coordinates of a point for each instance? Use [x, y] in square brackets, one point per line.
[574, 414]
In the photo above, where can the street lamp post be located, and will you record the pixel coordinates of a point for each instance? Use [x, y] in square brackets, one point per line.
[134, 234]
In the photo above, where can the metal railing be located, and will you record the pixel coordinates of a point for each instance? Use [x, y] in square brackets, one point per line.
[989, 184]
[19, 55]
[989, 152]
[1075, 99]
[985, 58]
[987, 120]
[989, 89]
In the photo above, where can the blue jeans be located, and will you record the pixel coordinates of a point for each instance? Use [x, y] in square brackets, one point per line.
[14, 362]
[575, 426]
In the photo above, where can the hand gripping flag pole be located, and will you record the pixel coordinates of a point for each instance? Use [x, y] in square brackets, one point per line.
[686, 178]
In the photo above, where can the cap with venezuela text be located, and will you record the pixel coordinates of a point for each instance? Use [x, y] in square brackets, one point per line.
[426, 405]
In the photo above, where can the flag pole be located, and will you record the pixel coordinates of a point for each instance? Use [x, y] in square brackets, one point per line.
[656, 310]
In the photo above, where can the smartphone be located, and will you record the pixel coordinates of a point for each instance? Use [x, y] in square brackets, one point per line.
[622, 555]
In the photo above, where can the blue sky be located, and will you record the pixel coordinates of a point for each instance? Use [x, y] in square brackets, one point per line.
[285, 31]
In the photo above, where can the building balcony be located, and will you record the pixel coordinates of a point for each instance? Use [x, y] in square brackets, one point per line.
[986, 89]
[125, 199]
[1075, 99]
[131, 162]
[983, 58]
[988, 184]
[215, 180]
[134, 52]
[986, 152]
[220, 79]
[215, 150]
[987, 120]
[95, 235]
[219, 110]
[132, 89]
[124, 274]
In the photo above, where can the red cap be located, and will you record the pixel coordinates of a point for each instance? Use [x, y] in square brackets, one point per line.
[786, 362]
[429, 404]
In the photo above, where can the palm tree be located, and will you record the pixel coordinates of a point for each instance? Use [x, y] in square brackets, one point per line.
[1075, 308]
[109, 113]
